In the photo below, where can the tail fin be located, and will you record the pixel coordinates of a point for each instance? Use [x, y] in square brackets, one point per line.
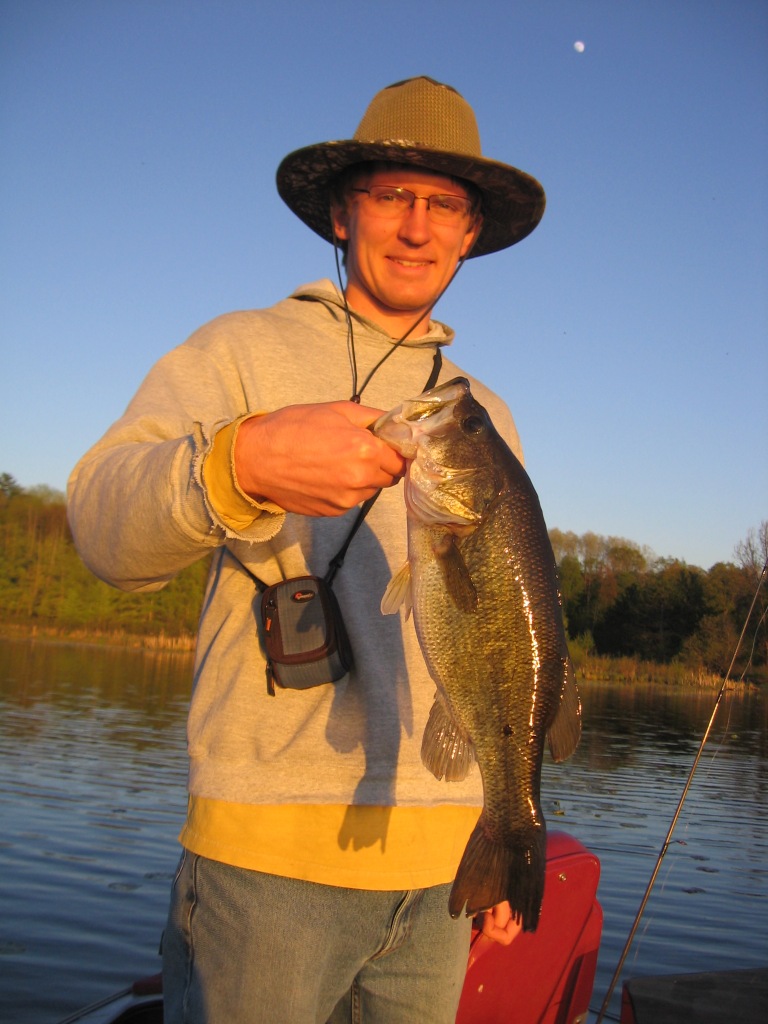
[491, 872]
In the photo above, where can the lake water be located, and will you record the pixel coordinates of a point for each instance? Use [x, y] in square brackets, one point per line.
[92, 796]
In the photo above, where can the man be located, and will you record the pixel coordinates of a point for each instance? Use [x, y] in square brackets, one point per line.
[318, 851]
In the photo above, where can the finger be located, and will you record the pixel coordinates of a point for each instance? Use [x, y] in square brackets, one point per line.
[393, 464]
[501, 925]
[358, 415]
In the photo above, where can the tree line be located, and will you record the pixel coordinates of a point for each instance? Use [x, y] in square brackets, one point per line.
[619, 600]
[44, 584]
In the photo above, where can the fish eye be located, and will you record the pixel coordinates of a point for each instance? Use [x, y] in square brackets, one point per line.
[473, 424]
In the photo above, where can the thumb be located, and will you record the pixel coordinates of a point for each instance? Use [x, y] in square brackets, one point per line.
[359, 415]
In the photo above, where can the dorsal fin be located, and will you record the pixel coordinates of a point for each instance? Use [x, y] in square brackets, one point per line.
[565, 732]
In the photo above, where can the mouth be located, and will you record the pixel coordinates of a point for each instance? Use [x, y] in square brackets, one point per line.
[402, 261]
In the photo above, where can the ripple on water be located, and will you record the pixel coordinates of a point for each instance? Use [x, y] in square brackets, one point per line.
[92, 787]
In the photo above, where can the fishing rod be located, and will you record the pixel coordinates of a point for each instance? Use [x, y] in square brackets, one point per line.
[684, 794]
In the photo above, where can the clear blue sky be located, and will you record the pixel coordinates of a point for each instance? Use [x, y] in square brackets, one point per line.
[629, 333]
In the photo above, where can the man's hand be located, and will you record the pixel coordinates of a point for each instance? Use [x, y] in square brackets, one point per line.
[500, 925]
[316, 460]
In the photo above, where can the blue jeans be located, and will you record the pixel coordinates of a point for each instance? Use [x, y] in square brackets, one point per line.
[242, 947]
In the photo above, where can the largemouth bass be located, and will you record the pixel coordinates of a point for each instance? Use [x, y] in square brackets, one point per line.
[481, 582]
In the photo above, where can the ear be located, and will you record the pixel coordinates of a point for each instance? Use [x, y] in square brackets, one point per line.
[472, 235]
[340, 221]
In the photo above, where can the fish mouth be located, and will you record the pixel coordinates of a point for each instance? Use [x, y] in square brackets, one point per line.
[429, 413]
[404, 428]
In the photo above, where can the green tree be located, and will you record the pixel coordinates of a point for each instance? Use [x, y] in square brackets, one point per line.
[655, 615]
[44, 582]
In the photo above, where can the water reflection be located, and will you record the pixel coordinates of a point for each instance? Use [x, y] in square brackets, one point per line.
[92, 794]
[74, 676]
[619, 794]
[92, 779]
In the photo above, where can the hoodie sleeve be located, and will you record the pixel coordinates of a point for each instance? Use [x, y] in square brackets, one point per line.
[137, 502]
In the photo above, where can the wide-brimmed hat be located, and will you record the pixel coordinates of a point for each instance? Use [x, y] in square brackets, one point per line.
[430, 126]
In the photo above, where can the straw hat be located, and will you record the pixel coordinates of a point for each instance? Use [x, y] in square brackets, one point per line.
[429, 125]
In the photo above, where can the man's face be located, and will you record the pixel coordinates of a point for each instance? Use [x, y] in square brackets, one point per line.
[396, 268]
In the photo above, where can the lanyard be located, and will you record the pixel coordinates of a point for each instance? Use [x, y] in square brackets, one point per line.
[336, 562]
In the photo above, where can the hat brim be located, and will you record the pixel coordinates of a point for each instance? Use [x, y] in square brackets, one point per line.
[513, 201]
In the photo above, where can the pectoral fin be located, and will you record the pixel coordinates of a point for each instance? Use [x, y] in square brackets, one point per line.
[446, 749]
[565, 731]
[458, 581]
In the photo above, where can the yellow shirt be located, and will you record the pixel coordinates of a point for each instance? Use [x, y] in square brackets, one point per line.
[356, 847]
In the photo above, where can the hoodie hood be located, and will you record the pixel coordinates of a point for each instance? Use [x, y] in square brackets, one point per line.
[328, 293]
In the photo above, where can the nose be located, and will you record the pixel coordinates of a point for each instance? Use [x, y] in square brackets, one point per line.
[414, 227]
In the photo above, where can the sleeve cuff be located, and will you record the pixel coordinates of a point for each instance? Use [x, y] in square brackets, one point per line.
[235, 509]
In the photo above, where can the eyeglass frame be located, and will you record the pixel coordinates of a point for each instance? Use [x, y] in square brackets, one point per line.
[398, 190]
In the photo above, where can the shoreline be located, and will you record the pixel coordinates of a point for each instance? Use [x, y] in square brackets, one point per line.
[117, 638]
[589, 668]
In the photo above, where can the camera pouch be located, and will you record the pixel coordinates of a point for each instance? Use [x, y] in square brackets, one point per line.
[304, 634]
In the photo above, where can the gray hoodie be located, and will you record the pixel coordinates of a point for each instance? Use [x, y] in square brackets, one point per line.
[139, 513]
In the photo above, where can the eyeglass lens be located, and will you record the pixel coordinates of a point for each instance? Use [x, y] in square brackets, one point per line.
[393, 201]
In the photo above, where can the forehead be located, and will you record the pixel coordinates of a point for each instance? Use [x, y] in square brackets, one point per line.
[407, 176]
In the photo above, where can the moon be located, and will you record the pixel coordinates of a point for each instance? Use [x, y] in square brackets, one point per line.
[578, 46]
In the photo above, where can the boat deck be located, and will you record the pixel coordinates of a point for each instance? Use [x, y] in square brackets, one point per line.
[716, 997]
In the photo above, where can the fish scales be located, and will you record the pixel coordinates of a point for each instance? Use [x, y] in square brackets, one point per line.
[482, 585]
